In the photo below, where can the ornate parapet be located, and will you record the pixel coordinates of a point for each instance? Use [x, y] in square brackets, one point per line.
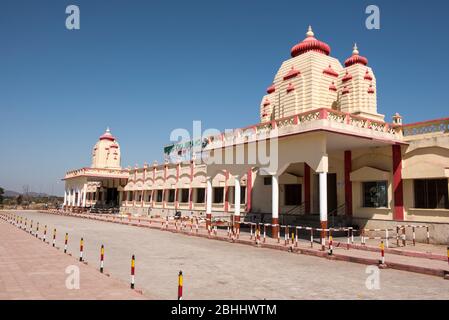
[97, 172]
[426, 128]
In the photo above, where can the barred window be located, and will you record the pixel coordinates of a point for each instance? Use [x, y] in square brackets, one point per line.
[431, 193]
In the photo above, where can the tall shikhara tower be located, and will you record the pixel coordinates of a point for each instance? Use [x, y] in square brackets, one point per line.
[312, 79]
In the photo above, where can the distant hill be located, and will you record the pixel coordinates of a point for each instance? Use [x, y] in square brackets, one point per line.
[10, 194]
[13, 194]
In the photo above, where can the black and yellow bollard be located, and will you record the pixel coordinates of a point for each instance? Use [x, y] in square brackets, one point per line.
[180, 284]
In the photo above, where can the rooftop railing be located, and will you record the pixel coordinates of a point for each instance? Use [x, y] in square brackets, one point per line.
[426, 127]
[289, 124]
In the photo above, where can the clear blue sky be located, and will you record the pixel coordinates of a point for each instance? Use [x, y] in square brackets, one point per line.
[146, 67]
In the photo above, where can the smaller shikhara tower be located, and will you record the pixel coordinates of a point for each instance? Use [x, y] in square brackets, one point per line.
[106, 152]
[312, 79]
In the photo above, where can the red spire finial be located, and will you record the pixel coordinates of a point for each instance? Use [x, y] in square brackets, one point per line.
[310, 44]
[356, 58]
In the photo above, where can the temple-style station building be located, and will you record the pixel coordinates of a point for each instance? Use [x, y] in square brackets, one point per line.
[334, 159]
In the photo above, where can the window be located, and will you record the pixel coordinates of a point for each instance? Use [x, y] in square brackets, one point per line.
[242, 194]
[375, 194]
[218, 194]
[159, 196]
[139, 197]
[200, 195]
[149, 196]
[130, 196]
[267, 181]
[184, 195]
[292, 194]
[431, 193]
[171, 195]
[94, 195]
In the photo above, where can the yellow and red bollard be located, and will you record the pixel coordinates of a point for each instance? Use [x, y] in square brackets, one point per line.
[101, 258]
[54, 237]
[65, 242]
[180, 285]
[81, 249]
[331, 248]
[133, 265]
[382, 253]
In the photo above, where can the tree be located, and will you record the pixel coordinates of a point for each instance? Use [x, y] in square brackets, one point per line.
[1, 195]
[19, 200]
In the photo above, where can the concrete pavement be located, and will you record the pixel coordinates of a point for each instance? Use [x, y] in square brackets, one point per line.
[221, 270]
[30, 269]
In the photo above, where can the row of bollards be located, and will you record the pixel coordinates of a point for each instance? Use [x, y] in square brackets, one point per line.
[18, 221]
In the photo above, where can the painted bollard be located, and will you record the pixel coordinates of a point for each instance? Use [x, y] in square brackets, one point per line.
[37, 230]
[330, 246]
[133, 266]
[81, 249]
[54, 237]
[382, 253]
[101, 258]
[65, 242]
[180, 284]
[45, 233]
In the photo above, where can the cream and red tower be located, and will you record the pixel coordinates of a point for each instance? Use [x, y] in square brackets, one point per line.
[106, 152]
[357, 85]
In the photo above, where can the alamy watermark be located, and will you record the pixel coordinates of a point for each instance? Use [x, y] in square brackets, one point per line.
[73, 279]
[372, 282]
[257, 146]
[72, 22]
[373, 19]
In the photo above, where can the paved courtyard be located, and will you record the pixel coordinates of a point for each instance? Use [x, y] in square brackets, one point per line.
[220, 270]
[30, 269]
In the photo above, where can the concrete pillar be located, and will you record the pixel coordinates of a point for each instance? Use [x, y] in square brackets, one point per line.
[306, 188]
[275, 205]
[398, 193]
[208, 201]
[72, 197]
[249, 190]
[84, 195]
[65, 197]
[237, 197]
[78, 200]
[348, 183]
[323, 204]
